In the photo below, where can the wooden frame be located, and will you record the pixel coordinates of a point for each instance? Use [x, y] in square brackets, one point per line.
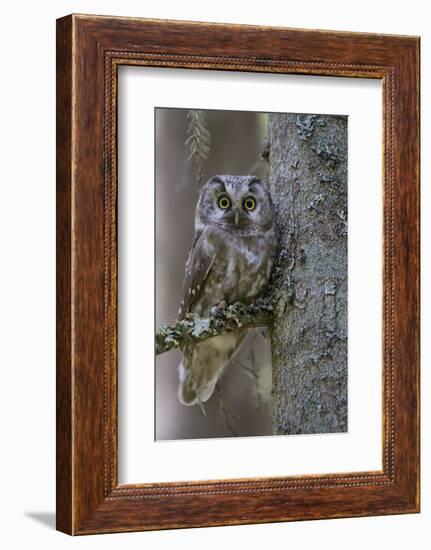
[89, 51]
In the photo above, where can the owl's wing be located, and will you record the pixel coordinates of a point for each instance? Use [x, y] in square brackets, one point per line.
[198, 266]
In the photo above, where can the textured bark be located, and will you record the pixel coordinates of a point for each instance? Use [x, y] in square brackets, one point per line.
[308, 180]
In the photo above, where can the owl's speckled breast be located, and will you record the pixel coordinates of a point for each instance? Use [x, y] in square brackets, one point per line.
[240, 269]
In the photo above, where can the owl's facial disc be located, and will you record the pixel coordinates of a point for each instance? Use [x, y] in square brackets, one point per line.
[236, 203]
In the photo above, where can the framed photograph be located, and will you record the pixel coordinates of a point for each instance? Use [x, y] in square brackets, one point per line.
[237, 274]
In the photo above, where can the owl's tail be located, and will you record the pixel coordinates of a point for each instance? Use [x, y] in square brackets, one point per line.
[203, 364]
[188, 392]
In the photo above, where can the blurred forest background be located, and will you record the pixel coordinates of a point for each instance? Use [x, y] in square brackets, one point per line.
[243, 407]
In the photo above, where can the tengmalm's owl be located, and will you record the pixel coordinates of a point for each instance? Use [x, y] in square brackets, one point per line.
[230, 260]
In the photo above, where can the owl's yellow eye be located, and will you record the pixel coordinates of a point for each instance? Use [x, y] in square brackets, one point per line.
[249, 204]
[224, 202]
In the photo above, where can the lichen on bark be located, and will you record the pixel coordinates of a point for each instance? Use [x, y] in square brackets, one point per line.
[308, 181]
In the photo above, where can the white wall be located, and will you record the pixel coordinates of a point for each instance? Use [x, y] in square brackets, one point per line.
[27, 309]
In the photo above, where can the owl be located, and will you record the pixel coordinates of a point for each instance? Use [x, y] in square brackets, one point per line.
[230, 260]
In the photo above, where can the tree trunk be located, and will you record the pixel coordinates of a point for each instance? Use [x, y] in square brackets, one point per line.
[308, 180]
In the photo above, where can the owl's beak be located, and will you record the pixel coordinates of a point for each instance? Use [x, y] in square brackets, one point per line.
[236, 217]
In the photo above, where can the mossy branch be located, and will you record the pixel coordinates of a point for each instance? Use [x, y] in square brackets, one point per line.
[232, 317]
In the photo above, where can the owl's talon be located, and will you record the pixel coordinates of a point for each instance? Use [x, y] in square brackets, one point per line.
[191, 316]
[217, 311]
